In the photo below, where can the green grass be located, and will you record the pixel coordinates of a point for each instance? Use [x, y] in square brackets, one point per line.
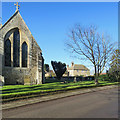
[19, 89]
[12, 92]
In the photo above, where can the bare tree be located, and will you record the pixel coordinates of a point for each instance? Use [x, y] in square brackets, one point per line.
[90, 44]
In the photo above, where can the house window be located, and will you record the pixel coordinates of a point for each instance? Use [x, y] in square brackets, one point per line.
[24, 54]
[82, 70]
[7, 50]
[16, 48]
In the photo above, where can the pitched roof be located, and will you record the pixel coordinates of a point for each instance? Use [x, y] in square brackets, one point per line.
[9, 19]
[78, 67]
[17, 12]
[102, 73]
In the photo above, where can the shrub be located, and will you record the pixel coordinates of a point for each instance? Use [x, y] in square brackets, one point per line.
[59, 68]
[103, 77]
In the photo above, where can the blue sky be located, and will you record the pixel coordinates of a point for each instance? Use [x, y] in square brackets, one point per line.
[49, 22]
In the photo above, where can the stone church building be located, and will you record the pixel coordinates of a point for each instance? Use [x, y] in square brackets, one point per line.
[22, 60]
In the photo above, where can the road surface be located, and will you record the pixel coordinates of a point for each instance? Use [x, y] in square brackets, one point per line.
[100, 104]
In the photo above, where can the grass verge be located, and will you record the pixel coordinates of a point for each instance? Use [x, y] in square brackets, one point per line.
[17, 92]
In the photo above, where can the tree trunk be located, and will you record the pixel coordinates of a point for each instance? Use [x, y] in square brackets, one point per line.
[96, 80]
[98, 71]
[96, 77]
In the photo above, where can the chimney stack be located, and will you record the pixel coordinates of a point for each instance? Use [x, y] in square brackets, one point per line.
[72, 63]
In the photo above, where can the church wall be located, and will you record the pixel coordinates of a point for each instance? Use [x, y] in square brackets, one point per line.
[15, 75]
[40, 69]
[21, 75]
[36, 63]
[1, 59]
[1, 53]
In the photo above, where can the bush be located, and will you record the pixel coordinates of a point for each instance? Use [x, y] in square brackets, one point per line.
[114, 74]
[59, 68]
[103, 77]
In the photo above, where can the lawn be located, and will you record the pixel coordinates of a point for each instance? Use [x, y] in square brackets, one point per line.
[14, 92]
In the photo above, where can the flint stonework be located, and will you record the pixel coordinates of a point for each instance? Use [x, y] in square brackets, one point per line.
[33, 73]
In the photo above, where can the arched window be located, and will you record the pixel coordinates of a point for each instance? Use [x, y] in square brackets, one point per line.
[16, 48]
[7, 50]
[24, 54]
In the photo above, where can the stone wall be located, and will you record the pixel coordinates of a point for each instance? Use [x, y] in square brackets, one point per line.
[72, 78]
[1, 59]
[15, 75]
[22, 75]
[1, 80]
[79, 72]
[1, 55]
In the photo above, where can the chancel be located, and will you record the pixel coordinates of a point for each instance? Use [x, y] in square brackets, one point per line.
[22, 60]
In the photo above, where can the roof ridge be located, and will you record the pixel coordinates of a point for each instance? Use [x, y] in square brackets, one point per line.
[79, 64]
[16, 12]
[9, 19]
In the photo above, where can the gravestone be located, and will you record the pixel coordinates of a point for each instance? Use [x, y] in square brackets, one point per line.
[75, 79]
[27, 80]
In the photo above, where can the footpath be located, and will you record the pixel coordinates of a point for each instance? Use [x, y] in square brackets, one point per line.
[29, 101]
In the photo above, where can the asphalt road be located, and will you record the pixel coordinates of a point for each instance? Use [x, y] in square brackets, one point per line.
[100, 104]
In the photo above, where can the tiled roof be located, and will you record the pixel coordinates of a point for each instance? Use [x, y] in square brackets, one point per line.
[78, 67]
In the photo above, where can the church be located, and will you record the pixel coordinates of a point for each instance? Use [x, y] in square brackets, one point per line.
[20, 55]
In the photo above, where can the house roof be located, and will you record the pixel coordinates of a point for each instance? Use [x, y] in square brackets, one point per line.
[78, 67]
[102, 73]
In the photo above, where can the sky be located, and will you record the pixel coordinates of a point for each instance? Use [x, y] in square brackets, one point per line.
[49, 23]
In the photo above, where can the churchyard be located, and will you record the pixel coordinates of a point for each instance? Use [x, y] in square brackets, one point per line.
[24, 63]
[17, 92]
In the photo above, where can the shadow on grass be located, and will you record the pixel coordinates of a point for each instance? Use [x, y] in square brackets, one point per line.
[53, 86]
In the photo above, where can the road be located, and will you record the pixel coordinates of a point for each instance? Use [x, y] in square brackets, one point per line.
[100, 104]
